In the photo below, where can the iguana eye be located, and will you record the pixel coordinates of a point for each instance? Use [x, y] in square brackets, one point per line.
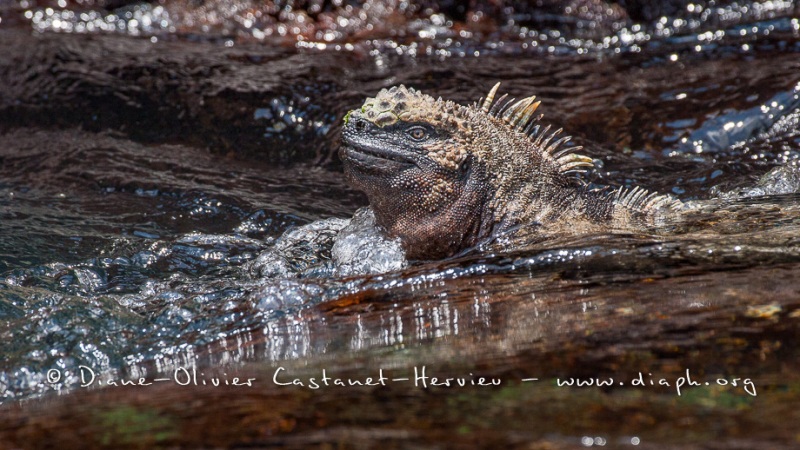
[417, 133]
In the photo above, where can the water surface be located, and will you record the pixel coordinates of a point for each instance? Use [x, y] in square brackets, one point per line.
[144, 169]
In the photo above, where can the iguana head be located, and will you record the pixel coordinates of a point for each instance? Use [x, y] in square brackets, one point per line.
[443, 176]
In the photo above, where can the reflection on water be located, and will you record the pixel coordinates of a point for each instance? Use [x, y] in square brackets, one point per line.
[545, 293]
[147, 227]
[735, 130]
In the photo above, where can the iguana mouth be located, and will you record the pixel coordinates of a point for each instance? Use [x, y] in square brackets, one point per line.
[376, 158]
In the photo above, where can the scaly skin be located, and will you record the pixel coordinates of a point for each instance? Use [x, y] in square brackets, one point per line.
[443, 177]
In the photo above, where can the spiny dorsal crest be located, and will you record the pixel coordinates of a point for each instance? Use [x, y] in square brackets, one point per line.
[640, 200]
[519, 116]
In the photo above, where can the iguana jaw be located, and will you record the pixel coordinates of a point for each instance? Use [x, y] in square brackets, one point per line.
[374, 159]
[363, 150]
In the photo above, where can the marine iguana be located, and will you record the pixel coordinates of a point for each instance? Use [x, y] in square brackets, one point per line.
[443, 177]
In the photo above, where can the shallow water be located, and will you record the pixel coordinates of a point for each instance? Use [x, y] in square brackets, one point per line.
[148, 180]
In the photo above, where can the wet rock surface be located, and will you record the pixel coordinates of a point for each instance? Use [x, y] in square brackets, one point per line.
[171, 207]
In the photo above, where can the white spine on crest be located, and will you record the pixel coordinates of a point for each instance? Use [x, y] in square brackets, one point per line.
[639, 199]
[520, 117]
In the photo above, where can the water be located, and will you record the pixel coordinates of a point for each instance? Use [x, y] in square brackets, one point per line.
[170, 198]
